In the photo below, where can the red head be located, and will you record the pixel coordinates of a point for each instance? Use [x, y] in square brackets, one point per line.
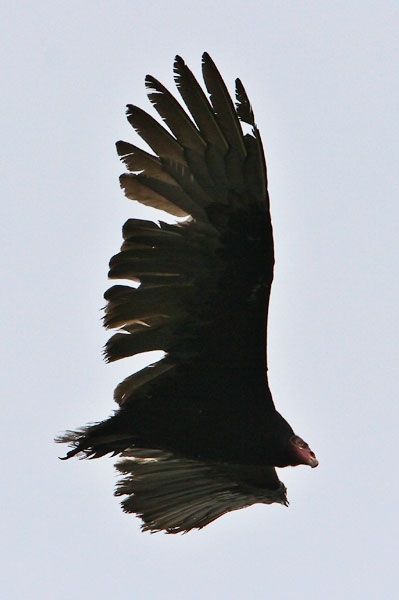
[300, 453]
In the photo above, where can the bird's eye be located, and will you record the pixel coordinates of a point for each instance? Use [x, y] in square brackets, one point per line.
[302, 444]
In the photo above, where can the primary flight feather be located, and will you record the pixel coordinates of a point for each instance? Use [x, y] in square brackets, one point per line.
[198, 431]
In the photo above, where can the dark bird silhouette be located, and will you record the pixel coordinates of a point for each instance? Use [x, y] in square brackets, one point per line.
[198, 431]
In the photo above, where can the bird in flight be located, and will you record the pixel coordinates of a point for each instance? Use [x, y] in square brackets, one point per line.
[197, 432]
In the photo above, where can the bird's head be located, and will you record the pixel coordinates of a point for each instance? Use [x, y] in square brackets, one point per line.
[300, 452]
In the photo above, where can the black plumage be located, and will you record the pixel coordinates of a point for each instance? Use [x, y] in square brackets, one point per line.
[198, 431]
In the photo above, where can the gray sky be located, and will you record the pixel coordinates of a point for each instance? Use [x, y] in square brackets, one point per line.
[323, 81]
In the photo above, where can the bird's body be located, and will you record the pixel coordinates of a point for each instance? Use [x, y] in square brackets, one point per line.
[198, 430]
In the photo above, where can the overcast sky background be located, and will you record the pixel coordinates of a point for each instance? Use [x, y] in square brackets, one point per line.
[323, 80]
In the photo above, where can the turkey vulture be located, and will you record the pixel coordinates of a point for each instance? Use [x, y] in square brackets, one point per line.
[198, 431]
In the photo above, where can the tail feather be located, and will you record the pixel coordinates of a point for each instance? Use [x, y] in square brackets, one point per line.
[96, 440]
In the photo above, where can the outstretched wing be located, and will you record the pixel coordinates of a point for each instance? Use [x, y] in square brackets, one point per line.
[176, 494]
[205, 283]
